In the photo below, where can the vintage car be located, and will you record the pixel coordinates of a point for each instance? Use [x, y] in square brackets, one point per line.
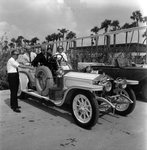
[87, 93]
[126, 70]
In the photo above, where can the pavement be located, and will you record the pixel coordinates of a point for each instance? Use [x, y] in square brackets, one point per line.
[42, 126]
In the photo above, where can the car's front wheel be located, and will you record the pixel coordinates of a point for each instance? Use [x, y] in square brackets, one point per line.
[85, 110]
[123, 105]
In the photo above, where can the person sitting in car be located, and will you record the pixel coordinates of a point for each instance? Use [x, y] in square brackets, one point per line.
[60, 52]
[41, 58]
[28, 56]
[89, 69]
[62, 57]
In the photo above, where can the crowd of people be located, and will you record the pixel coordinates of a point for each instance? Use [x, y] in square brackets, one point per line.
[26, 58]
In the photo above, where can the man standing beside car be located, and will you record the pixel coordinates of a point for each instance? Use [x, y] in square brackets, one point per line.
[13, 79]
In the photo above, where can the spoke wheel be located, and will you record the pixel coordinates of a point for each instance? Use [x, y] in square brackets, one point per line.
[123, 105]
[84, 109]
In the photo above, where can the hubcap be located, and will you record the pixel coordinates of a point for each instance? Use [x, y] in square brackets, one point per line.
[82, 108]
[122, 103]
[41, 79]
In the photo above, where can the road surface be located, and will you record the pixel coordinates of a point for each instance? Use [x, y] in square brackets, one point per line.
[46, 127]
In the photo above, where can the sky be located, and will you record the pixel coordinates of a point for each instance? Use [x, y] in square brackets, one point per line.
[39, 18]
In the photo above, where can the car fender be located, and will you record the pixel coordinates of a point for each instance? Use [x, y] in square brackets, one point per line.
[87, 88]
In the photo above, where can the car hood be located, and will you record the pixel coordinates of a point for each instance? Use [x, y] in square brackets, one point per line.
[86, 76]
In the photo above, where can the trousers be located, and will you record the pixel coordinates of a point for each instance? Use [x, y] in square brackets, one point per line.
[13, 80]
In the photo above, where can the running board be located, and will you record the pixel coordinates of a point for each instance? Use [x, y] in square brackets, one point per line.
[35, 94]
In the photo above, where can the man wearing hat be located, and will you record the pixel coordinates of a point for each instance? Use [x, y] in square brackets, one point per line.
[41, 57]
[13, 79]
[28, 56]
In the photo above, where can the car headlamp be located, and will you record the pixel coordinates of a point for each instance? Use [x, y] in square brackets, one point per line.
[124, 84]
[107, 86]
[121, 83]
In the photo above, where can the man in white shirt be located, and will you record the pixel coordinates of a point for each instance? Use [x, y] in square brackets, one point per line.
[28, 56]
[13, 79]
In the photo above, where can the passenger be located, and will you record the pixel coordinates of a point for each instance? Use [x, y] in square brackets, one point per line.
[89, 69]
[60, 51]
[65, 65]
[41, 58]
[20, 56]
[28, 56]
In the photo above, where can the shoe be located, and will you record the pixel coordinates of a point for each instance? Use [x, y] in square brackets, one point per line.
[16, 107]
[16, 110]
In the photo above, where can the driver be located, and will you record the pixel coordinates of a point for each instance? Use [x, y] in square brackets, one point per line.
[41, 57]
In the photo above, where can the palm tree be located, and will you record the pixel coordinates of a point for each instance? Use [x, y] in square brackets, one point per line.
[48, 38]
[19, 41]
[115, 26]
[54, 38]
[26, 41]
[13, 40]
[34, 41]
[137, 17]
[72, 56]
[105, 25]
[11, 45]
[60, 35]
[95, 30]
[63, 31]
[70, 35]
[126, 26]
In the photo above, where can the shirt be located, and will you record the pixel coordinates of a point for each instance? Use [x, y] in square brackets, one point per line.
[20, 59]
[12, 65]
[29, 58]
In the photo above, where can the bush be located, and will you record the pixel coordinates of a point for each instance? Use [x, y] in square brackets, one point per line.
[3, 81]
[3, 75]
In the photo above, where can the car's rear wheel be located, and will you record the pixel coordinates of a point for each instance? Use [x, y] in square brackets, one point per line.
[84, 109]
[144, 92]
[44, 80]
[123, 105]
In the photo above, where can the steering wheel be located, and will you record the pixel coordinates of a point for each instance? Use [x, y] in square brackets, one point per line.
[58, 58]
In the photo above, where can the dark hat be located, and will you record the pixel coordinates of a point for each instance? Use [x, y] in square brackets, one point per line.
[15, 52]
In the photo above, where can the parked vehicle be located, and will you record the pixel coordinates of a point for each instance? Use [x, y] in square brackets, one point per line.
[86, 93]
[129, 71]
